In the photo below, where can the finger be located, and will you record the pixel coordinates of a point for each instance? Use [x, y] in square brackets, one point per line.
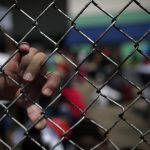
[26, 59]
[24, 47]
[13, 65]
[23, 50]
[51, 84]
[35, 114]
[34, 67]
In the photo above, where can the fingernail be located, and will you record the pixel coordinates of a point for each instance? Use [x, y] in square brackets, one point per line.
[24, 47]
[47, 92]
[28, 76]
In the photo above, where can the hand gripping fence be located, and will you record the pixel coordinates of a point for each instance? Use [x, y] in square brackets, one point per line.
[123, 130]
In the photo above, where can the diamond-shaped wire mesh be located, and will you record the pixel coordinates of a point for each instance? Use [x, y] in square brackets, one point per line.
[100, 103]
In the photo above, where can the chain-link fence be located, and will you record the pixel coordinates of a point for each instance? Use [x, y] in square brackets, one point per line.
[111, 108]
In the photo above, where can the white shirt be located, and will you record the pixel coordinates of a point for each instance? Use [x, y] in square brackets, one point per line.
[3, 58]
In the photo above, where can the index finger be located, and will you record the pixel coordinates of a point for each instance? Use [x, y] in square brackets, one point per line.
[24, 47]
[13, 64]
[23, 50]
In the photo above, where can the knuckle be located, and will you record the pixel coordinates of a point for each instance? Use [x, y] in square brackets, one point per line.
[41, 55]
[57, 75]
[54, 86]
[33, 50]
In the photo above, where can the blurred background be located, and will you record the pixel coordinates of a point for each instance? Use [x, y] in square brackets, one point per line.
[94, 38]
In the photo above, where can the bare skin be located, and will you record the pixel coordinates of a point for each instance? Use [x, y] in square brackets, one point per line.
[25, 68]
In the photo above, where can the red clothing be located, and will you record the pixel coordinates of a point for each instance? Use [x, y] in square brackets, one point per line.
[75, 97]
[61, 126]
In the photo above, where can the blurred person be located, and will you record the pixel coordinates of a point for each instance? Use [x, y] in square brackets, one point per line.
[66, 112]
[98, 70]
[27, 143]
[143, 67]
[70, 93]
[75, 102]
[143, 71]
[53, 133]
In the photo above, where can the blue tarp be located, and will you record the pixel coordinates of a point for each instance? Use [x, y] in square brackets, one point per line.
[134, 30]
